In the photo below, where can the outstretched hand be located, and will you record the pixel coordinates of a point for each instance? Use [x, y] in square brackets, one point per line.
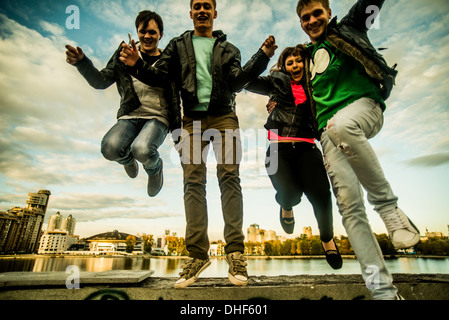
[129, 55]
[73, 55]
[269, 46]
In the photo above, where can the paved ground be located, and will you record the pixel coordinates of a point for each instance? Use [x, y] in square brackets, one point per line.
[140, 285]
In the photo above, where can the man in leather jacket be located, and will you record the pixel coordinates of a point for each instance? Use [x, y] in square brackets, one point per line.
[351, 82]
[146, 114]
[207, 70]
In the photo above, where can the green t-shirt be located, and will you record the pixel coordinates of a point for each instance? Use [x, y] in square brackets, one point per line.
[203, 54]
[338, 80]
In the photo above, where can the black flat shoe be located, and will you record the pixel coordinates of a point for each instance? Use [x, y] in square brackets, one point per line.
[288, 224]
[333, 257]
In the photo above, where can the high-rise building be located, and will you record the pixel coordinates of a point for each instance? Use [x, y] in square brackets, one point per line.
[68, 224]
[20, 228]
[252, 233]
[307, 231]
[59, 235]
[57, 222]
[270, 235]
[54, 223]
[8, 225]
[53, 242]
[255, 234]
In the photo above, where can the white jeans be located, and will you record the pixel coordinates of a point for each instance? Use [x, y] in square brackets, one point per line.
[351, 163]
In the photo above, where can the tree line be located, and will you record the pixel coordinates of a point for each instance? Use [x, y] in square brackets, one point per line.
[300, 246]
[310, 246]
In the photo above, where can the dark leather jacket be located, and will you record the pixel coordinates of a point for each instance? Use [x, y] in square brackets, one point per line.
[289, 119]
[350, 37]
[115, 72]
[178, 63]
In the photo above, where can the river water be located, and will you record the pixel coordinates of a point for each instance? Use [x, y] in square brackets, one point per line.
[170, 267]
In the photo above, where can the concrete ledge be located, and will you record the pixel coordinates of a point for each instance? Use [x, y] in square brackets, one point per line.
[303, 287]
[35, 279]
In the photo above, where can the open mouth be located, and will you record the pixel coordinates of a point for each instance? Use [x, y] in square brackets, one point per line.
[203, 18]
[297, 73]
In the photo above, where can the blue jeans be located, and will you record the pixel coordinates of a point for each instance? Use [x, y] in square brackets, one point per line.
[135, 139]
[351, 163]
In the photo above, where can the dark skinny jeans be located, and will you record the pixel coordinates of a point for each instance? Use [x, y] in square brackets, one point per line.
[301, 171]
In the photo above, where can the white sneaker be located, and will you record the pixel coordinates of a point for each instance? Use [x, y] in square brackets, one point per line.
[403, 233]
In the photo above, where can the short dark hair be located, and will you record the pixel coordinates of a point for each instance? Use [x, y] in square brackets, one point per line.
[303, 3]
[213, 1]
[299, 51]
[146, 16]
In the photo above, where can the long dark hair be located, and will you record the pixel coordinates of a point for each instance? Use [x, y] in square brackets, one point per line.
[299, 51]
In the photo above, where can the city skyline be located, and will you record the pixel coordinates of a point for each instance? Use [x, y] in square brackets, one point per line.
[53, 121]
[57, 222]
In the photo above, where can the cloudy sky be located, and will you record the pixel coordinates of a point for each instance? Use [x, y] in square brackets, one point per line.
[52, 121]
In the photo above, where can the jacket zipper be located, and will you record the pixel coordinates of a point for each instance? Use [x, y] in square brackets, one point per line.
[213, 69]
[293, 119]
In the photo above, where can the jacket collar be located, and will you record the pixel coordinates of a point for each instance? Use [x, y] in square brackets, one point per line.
[218, 34]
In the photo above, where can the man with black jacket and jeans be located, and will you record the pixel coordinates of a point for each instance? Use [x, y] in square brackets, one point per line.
[208, 72]
[351, 82]
[146, 113]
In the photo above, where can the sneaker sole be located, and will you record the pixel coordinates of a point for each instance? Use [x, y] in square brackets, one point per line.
[188, 282]
[236, 281]
[410, 243]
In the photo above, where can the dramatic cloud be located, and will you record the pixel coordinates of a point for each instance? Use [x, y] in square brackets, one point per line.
[433, 160]
[52, 121]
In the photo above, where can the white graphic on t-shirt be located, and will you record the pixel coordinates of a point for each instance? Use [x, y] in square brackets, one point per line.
[320, 62]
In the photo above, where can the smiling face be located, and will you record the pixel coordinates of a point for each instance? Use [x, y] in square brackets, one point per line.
[149, 37]
[314, 20]
[294, 65]
[203, 14]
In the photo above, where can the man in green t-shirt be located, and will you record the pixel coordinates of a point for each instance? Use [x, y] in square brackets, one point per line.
[351, 82]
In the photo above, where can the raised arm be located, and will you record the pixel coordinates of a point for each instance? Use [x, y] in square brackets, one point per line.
[239, 77]
[96, 78]
[362, 13]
